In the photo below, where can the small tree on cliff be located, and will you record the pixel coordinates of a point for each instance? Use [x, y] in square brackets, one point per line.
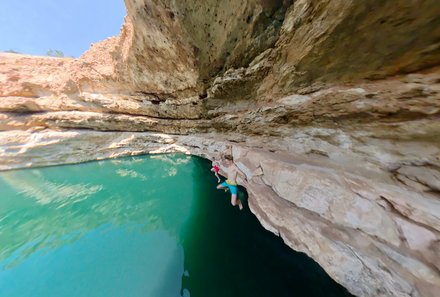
[55, 53]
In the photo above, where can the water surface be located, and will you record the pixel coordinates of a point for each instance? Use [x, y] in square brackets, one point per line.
[140, 226]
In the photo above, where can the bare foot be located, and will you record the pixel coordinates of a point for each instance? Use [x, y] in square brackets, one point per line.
[219, 181]
[240, 206]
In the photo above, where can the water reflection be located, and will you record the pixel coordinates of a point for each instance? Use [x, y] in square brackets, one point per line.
[33, 184]
[42, 210]
[131, 174]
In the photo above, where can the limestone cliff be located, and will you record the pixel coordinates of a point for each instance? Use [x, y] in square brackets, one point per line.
[329, 107]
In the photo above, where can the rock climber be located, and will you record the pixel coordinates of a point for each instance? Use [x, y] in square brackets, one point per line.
[216, 169]
[231, 182]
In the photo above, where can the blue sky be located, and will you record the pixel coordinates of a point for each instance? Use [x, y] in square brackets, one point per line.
[35, 26]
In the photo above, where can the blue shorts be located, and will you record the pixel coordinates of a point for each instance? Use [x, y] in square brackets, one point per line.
[232, 188]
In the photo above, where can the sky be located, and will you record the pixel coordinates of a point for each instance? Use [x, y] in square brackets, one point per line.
[36, 26]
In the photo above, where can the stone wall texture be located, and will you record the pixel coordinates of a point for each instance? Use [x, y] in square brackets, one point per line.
[330, 107]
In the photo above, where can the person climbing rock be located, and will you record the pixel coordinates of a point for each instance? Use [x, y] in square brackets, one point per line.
[231, 182]
[215, 169]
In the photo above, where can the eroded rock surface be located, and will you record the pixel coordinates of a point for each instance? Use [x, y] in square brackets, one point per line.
[331, 109]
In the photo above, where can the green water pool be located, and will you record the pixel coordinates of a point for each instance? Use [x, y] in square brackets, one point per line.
[147, 226]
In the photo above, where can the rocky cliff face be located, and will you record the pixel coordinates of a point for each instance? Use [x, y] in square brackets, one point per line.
[329, 107]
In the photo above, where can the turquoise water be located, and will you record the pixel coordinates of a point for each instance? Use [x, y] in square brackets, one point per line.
[140, 226]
